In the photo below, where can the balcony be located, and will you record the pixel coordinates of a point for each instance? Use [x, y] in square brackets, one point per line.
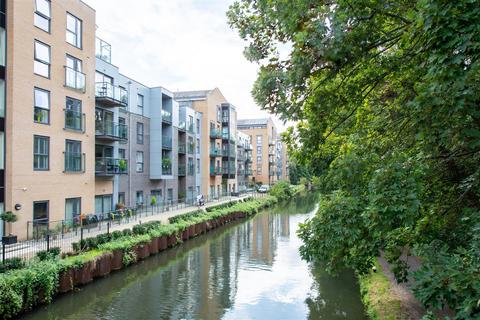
[215, 171]
[167, 143]
[110, 96]
[167, 169]
[191, 128]
[182, 126]
[229, 153]
[215, 152]
[229, 172]
[103, 50]
[248, 159]
[271, 142]
[166, 117]
[182, 148]
[111, 131]
[107, 167]
[215, 134]
[74, 79]
[74, 162]
[74, 120]
[241, 172]
[182, 170]
[271, 152]
[240, 157]
[271, 161]
[248, 147]
[249, 172]
[271, 173]
[191, 148]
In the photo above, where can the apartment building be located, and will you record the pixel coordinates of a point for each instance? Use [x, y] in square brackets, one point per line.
[244, 160]
[49, 122]
[3, 54]
[145, 142]
[263, 134]
[218, 119]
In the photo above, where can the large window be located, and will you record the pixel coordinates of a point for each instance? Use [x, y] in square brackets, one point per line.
[73, 156]
[40, 211]
[41, 109]
[139, 161]
[74, 30]
[73, 114]
[2, 98]
[41, 153]
[42, 15]
[121, 198]
[72, 209]
[140, 103]
[74, 78]
[103, 203]
[3, 46]
[139, 198]
[139, 133]
[41, 64]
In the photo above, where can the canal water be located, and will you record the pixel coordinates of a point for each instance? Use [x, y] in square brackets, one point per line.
[247, 270]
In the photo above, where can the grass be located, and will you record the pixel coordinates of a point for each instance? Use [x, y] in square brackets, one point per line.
[380, 301]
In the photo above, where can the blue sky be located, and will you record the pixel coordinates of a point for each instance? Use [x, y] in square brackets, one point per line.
[180, 45]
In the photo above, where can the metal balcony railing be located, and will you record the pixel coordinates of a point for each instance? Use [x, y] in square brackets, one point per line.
[167, 143]
[215, 133]
[110, 130]
[182, 170]
[182, 148]
[107, 166]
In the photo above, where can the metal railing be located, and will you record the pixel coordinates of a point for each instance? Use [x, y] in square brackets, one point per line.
[106, 166]
[182, 148]
[167, 169]
[182, 170]
[74, 120]
[108, 91]
[215, 171]
[74, 79]
[215, 152]
[167, 143]
[111, 130]
[215, 133]
[229, 153]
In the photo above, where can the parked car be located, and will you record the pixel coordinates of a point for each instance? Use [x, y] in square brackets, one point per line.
[263, 189]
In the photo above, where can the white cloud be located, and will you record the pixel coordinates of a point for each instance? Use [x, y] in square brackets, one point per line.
[181, 45]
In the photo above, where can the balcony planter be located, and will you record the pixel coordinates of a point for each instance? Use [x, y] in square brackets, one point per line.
[103, 265]
[162, 243]
[153, 246]
[65, 280]
[117, 260]
[84, 274]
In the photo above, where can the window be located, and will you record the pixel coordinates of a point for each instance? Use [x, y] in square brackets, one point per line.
[41, 152]
[259, 140]
[73, 156]
[41, 109]
[3, 42]
[74, 30]
[2, 98]
[140, 103]
[73, 114]
[198, 125]
[102, 78]
[170, 195]
[103, 203]
[122, 129]
[259, 170]
[139, 198]
[198, 146]
[41, 64]
[74, 78]
[191, 167]
[121, 198]
[40, 211]
[219, 114]
[190, 122]
[139, 133]
[2, 151]
[41, 18]
[72, 209]
[121, 153]
[139, 160]
[198, 165]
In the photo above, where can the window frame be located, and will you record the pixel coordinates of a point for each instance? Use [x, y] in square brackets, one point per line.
[78, 143]
[80, 112]
[43, 155]
[140, 135]
[43, 16]
[48, 211]
[79, 207]
[35, 107]
[78, 29]
[38, 60]
[142, 163]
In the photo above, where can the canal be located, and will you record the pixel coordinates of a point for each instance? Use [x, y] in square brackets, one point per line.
[247, 270]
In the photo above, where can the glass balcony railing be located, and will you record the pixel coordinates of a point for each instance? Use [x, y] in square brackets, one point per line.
[166, 116]
[191, 170]
[167, 143]
[182, 148]
[103, 50]
[248, 147]
[74, 79]
[249, 172]
[74, 161]
[271, 141]
[111, 95]
[215, 152]
[167, 169]
[74, 120]
[191, 128]
[215, 171]
[191, 148]
[241, 172]
[182, 170]
[248, 158]
[215, 133]
[105, 166]
[110, 130]
[229, 153]
[182, 126]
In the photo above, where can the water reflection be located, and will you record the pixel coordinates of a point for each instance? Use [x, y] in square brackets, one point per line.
[250, 270]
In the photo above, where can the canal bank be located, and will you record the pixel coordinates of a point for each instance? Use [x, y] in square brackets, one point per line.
[248, 269]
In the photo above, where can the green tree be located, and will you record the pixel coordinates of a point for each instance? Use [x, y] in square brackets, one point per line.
[385, 95]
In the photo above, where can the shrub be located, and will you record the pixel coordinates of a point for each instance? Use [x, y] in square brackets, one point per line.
[11, 264]
[281, 190]
[127, 232]
[117, 234]
[185, 216]
[48, 255]
[90, 243]
[103, 238]
[221, 206]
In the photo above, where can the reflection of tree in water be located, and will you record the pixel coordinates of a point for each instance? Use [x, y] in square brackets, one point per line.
[301, 205]
[334, 297]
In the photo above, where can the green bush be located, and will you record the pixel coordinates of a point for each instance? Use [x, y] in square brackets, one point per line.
[127, 232]
[53, 253]
[117, 234]
[221, 206]
[281, 190]
[185, 216]
[11, 264]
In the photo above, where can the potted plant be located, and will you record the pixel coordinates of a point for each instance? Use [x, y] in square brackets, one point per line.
[119, 206]
[8, 217]
[153, 201]
[122, 165]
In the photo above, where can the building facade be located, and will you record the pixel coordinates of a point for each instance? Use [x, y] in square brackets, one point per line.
[267, 154]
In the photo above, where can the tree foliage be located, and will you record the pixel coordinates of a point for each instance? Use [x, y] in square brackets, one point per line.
[386, 96]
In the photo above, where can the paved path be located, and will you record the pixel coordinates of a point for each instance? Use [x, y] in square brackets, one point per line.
[28, 249]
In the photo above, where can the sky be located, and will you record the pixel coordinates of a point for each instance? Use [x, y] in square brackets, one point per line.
[180, 45]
